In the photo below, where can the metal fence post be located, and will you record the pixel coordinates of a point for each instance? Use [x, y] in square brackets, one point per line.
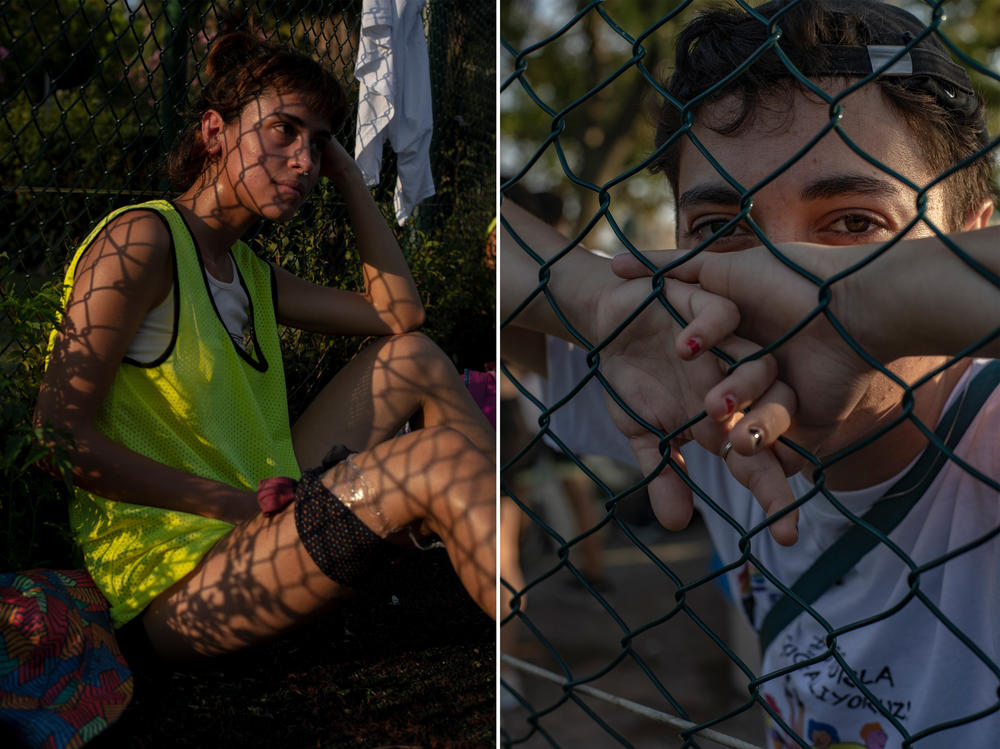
[175, 52]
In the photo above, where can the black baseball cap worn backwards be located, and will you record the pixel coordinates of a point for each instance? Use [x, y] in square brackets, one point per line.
[900, 47]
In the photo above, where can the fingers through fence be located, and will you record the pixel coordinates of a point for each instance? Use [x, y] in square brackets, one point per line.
[779, 365]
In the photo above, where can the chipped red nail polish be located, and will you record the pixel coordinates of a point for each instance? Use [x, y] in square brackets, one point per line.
[693, 345]
[730, 404]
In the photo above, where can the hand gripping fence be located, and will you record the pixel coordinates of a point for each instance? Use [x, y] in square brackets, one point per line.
[91, 96]
[643, 651]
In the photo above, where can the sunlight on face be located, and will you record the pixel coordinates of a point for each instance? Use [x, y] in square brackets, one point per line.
[829, 196]
[272, 154]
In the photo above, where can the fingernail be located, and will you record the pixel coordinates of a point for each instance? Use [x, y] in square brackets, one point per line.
[730, 404]
[693, 345]
[756, 435]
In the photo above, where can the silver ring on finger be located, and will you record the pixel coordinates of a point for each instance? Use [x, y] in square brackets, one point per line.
[725, 449]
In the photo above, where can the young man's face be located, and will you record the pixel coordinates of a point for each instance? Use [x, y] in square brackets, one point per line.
[830, 196]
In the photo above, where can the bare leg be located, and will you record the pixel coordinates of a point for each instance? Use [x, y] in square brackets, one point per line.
[438, 478]
[259, 581]
[400, 379]
[394, 380]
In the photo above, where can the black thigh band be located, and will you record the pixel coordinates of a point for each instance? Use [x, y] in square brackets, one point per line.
[344, 548]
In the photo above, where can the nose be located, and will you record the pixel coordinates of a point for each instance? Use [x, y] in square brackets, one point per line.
[780, 223]
[779, 214]
[782, 231]
[302, 158]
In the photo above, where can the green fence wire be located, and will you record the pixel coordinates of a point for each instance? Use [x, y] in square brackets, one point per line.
[575, 150]
[91, 93]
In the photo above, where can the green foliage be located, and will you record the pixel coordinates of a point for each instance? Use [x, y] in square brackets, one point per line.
[459, 294]
[79, 139]
[78, 116]
[32, 503]
[606, 131]
[77, 35]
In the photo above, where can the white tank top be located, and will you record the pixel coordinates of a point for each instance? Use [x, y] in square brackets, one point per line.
[154, 334]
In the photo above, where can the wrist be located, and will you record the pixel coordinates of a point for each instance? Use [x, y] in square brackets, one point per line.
[344, 173]
[237, 506]
[891, 301]
[581, 284]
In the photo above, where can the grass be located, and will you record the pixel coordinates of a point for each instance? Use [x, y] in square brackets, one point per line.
[410, 662]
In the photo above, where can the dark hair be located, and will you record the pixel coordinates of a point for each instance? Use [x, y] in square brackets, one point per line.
[720, 40]
[241, 67]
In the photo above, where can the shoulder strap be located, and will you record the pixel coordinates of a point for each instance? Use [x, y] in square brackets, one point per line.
[886, 513]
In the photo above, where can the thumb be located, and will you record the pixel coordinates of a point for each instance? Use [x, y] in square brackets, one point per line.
[669, 496]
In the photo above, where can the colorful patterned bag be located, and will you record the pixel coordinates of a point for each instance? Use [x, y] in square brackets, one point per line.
[63, 678]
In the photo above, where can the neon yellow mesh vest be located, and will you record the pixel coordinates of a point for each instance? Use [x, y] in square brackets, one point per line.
[206, 407]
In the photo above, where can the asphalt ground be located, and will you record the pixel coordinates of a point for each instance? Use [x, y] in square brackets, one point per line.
[626, 642]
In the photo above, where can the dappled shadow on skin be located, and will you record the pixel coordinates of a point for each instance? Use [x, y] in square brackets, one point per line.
[395, 665]
[100, 317]
[260, 581]
[438, 477]
[208, 587]
[254, 584]
[264, 165]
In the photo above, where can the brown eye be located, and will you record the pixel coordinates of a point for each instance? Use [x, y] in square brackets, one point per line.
[857, 224]
[710, 227]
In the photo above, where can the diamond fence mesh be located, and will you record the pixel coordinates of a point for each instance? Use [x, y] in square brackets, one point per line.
[615, 632]
[92, 94]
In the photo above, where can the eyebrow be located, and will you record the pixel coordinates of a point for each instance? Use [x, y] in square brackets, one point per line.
[299, 122]
[825, 187]
[717, 194]
[849, 184]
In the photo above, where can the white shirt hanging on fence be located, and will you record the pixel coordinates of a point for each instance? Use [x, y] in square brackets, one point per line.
[394, 101]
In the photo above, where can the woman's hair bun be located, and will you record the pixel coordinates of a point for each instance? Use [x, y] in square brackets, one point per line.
[231, 51]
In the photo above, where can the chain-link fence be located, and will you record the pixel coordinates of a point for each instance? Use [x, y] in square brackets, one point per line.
[615, 631]
[92, 94]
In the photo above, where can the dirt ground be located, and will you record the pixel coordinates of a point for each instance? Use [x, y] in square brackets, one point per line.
[411, 663]
[634, 644]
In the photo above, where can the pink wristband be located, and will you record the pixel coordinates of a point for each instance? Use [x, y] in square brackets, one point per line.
[275, 494]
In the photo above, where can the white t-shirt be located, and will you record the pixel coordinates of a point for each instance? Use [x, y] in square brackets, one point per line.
[907, 659]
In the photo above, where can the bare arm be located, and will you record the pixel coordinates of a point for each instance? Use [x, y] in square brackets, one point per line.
[125, 273]
[390, 302]
[916, 299]
[926, 300]
[640, 361]
[575, 279]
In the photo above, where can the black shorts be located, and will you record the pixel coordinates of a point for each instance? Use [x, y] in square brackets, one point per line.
[342, 546]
